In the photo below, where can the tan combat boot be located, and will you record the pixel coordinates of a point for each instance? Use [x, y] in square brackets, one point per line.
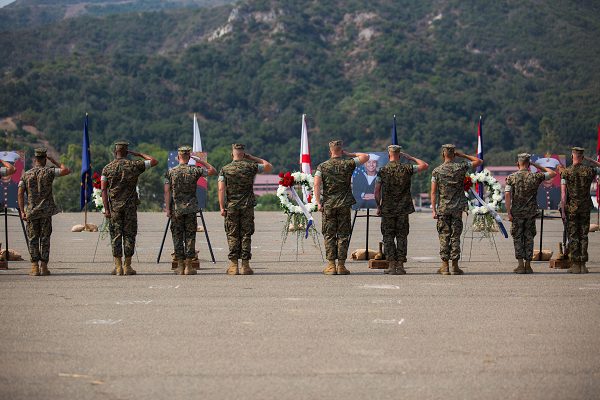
[44, 268]
[521, 267]
[180, 269]
[233, 268]
[118, 269]
[189, 268]
[246, 270]
[444, 269]
[400, 268]
[127, 270]
[341, 268]
[584, 269]
[35, 269]
[330, 268]
[455, 270]
[391, 269]
[575, 267]
[528, 269]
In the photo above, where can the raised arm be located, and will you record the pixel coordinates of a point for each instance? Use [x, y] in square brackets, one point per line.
[551, 173]
[421, 165]
[267, 165]
[153, 161]
[63, 169]
[476, 161]
[10, 169]
[362, 157]
[596, 163]
[211, 170]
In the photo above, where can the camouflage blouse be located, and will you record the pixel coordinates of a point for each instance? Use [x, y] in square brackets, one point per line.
[183, 181]
[578, 179]
[122, 178]
[395, 180]
[336, 174]
[38, 188]
[523, 186]
[450, 178]
[239, 176]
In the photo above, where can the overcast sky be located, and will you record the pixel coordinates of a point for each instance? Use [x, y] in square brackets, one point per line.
[5, 2]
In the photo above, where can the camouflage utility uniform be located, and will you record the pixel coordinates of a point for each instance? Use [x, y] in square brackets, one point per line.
[452, 202]
[578, 180]
[523, 186]
[396, 205]
[121, 176]
[182, 180]
[238, 177]
[336, 174]
[37, 183]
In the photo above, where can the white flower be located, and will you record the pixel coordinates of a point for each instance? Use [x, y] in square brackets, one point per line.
[496, 197]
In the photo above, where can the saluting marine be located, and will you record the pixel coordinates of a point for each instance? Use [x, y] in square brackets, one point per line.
[335, 175]
[7, 169]
[36, 183]
[448, 202]
[119, 196]
[237, 201]
[520, 196]
[576, 203]
[181, 205]
[394, 204]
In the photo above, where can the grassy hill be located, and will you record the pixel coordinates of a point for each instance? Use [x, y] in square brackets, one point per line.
[251, 70]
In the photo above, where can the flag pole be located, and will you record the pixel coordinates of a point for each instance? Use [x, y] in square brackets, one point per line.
[86, 203]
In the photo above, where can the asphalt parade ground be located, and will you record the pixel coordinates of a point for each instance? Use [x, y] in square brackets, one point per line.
[289, 332]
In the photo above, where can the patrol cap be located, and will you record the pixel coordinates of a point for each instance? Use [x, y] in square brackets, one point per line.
[448, 146]
[579, 150]
[395, 148]
[238, 146]
[121, 144]
[184, 149]
[524, 157]
[40, 152]
[336, 143]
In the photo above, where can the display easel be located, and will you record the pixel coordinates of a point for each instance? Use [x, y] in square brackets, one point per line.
[467, 230]
[542, 216]
[368, 216]
[7, 256]
[212, 255]
[312, 232]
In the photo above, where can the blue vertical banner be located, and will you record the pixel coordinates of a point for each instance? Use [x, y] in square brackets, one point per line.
[480, 152]
[86, 167]
[394, 132]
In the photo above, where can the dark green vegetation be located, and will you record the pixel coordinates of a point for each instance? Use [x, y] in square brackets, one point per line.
[530, 67]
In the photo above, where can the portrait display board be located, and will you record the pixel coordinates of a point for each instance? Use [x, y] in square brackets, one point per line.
[202, 184]
[10, 184]
[363, 180]
[548, 197]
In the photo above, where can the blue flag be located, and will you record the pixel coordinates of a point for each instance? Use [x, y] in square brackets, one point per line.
[86, 167]
[394, 132]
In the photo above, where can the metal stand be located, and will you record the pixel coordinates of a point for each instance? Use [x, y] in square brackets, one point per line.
[212, 255]
[368, 216]
[315, 240]
[493, 241]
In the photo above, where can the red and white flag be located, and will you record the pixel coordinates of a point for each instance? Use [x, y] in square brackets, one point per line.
[305, 166]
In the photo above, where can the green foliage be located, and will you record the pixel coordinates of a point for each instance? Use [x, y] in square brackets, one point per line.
[268, 202]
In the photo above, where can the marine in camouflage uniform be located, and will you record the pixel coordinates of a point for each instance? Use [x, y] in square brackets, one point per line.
[182, 205]
[394, 204]
[576, 182]
[448, 201]
[237, 201]
[37, 185]
[522, 208]
[119, 195]
[335, 175]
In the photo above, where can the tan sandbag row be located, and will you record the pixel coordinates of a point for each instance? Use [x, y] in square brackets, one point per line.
[86, 228]
[13, 255]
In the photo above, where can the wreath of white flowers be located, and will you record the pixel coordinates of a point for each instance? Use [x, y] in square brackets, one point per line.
[494, 191]
[307, 181]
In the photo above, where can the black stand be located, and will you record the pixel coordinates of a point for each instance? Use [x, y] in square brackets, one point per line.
[212, 255]
[368, 216]
[542, 217]
[6, 231]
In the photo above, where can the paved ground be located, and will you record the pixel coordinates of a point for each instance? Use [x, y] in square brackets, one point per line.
[289, 332]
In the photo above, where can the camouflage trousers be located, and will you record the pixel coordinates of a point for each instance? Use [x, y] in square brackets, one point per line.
[523, 232]
[336, 228]
[449, 227]
[122, 227]
[578, 226]
[394, 229]
[38, 236]
[183, 230]
[239, 227]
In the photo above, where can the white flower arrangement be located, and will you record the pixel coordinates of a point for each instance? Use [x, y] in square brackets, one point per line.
[494, 190]
[97, 199]
[306, 180]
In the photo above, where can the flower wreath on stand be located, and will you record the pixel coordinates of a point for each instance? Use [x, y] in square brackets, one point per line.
[485, 217]
[98, 205]
[299, 218]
